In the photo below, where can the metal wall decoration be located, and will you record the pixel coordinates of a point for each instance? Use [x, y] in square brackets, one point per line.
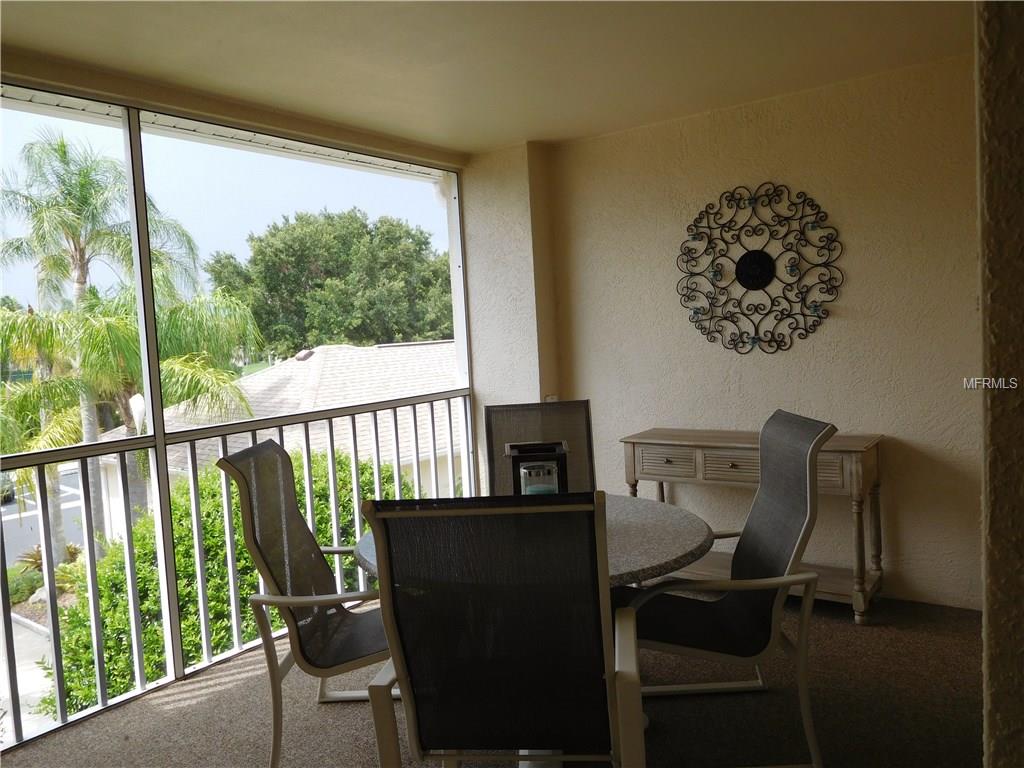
[759, 268]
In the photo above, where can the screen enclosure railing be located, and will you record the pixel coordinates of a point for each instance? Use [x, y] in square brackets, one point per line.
[159, 585]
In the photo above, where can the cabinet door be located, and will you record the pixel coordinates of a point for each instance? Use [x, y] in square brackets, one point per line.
[832, 473]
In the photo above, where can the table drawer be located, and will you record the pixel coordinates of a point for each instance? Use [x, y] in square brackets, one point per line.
[739, 466]
[668, 461]
[831, 472]
[731, 466]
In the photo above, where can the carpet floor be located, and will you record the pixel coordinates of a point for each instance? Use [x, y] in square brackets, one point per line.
[904, 691]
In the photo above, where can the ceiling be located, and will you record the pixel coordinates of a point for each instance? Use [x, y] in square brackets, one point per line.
[477, 76]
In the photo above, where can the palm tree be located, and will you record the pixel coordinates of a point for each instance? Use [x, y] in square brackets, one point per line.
[75, 202]
[95, 348]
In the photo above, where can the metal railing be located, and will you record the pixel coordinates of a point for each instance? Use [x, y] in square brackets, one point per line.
[420, 445]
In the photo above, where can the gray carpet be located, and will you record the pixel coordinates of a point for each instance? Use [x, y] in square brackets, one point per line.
[905, 691]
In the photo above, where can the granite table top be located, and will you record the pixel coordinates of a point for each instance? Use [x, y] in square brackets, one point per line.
[646, 539]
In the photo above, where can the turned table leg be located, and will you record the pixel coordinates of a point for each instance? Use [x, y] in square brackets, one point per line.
[859, 593]
[876, 530]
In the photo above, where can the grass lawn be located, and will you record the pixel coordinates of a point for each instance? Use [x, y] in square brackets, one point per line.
[259, 365]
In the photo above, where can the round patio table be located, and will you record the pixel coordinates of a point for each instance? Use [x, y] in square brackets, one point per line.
[646, 539]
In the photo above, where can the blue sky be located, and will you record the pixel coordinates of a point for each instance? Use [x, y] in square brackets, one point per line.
[222, 194]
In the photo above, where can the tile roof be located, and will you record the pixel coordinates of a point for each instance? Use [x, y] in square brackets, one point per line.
[337, 375]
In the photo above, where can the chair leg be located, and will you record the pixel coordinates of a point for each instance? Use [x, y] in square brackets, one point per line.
[276, 706]
[382, 705]
[276, 672]
[806, 607]
[805, 709]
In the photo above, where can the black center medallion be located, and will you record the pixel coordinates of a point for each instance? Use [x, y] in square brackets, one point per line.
[755, 270]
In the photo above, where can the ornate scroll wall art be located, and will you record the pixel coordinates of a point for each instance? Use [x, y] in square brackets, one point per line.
[759, 268]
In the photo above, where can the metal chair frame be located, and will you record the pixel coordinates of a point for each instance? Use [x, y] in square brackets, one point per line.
[622, 676]
[792, 578]
[279, 667]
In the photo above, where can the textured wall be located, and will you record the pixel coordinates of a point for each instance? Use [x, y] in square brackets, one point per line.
[892, 159]
[504, 350]
[1001, 168]
[541, 209]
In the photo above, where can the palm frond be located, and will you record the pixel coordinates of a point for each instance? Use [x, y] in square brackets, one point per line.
[24, 401]
[53, 271]
[63, 428]
[202, 389]
[107, 345]
[12, 431]
[220, 326]
[14, 250]
[14, 201]
[173, 250]
[114, 242]
[27, 335]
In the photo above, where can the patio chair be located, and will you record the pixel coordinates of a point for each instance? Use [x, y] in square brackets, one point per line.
[528, 433]
[738, 619]
[325, 638]
[501, 632]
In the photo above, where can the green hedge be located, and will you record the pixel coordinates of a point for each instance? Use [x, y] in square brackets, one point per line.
[76, 637]
[23, 582]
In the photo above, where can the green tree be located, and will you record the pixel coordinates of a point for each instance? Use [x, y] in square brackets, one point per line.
[398, 289]
[230, 276]
[340, 278]
[95, 348]
[86, 351]
[6, 370]
[75, 203]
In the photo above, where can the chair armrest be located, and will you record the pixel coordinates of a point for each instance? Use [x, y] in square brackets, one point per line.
[310, 601]
[725, 585]
[337, 550]
[726, 534]
[385, 678]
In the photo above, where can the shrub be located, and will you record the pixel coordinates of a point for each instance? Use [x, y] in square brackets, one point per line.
[71, 552]
[32, 559]
[76, 636]
[22, 582]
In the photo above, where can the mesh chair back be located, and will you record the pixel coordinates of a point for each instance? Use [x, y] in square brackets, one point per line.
[282, 546]
[567, 421]
[782, 516]
[493, 608]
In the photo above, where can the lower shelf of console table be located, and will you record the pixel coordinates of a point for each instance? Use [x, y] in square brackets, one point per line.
[848, 465]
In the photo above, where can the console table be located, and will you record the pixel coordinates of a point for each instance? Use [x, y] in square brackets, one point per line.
[847, 466]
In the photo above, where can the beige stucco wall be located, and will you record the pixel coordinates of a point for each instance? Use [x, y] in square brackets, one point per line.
[1001, 170]
[539, 158]
[891, 158]
[500, 283]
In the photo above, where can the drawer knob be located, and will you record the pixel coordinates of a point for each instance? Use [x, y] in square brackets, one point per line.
[668, 461]
[733, 465]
